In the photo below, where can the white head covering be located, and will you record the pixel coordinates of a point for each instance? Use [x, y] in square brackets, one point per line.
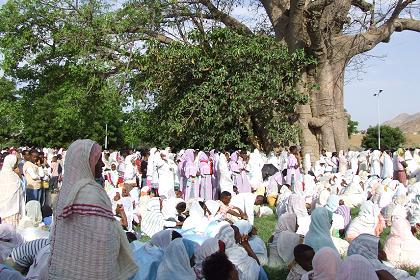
[176, 263]
[286, 236]
[356, 267]
[9, 239]
[248, 268]
[86, 239]
[10, 191]
[244, 227]
[33, 215]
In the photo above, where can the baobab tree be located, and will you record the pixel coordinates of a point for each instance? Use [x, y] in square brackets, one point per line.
[333, 31]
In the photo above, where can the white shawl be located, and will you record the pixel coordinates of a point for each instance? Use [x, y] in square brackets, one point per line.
[86, 241]
[11, 194]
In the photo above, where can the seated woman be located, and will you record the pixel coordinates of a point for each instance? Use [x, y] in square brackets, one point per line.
[198, 218]
[368, 221]
[283, 241]
[401, 247]
[356, 267]
[369, 246]
[150, 255]
[319, 235]
[297, 205]
[303, 255]
[257, 244]
[178, 261]
[244, 259]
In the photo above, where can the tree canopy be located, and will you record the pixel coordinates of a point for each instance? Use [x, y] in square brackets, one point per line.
[223, 90]
[81, 64]
[391, 138]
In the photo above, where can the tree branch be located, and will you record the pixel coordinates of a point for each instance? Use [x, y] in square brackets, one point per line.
[277, 13]
[362, 5]
[366, 41]
[319, 5]
[225, 18]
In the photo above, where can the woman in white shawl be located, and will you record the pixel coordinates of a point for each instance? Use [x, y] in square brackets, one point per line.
[153, 220]
[248, 268]
[368, 246]
[255, 165]
[29, 225]
[86, 241]
[165, 174]
[366, 222]
[12, 200]
[297, 204]
[387, 166]
[224, 175]
[177, 261]
[150, 255]
[354, 193]
[401, 247]
[257, 244]
[197, 219]
[284, 241]
[375, 163]
[342, 163]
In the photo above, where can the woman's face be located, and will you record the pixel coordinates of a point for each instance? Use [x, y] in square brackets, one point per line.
[98, 168]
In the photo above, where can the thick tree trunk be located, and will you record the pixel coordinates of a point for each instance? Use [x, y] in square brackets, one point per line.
[323, 120]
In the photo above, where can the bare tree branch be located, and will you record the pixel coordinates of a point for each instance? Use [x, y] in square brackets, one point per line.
[225, 18]
[277, 13]
[362, 5]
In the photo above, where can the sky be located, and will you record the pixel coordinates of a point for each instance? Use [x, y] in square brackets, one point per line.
[394, 68]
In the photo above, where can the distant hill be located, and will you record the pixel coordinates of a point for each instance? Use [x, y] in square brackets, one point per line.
[407, 123]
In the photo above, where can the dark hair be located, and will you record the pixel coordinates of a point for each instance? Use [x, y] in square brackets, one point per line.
[334, 154]
[293, 149]
[225, 193]
[181, 206]
[217, 267]
[176, 235]
[46, 211]
[300, 251]
[131, 237]
[33, 151]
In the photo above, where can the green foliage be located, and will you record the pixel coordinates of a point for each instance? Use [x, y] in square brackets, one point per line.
[390, 137]
[352, 127]
[56, 56]
[79, 69]
[10, 117]
[223, 90]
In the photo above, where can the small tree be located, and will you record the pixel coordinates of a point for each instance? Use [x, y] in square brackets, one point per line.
[390, 137]
[351, 125]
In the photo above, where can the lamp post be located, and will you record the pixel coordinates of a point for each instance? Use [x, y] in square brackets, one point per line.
[106, 136]
[379, 119]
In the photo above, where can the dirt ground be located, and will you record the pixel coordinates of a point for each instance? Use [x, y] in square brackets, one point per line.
[412, 140]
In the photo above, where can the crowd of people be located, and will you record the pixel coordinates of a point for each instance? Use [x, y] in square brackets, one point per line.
[79, 214]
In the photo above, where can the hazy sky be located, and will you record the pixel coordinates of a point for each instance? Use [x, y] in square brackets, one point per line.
[397, 74]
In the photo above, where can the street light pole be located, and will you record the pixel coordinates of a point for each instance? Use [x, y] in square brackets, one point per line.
[379, 119]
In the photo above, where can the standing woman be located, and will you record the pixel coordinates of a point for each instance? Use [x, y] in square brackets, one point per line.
[206, 187]
[190, 189]
[293, 165]
[342, 162]
[12, 200]
[86, 240]
[399, 167]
